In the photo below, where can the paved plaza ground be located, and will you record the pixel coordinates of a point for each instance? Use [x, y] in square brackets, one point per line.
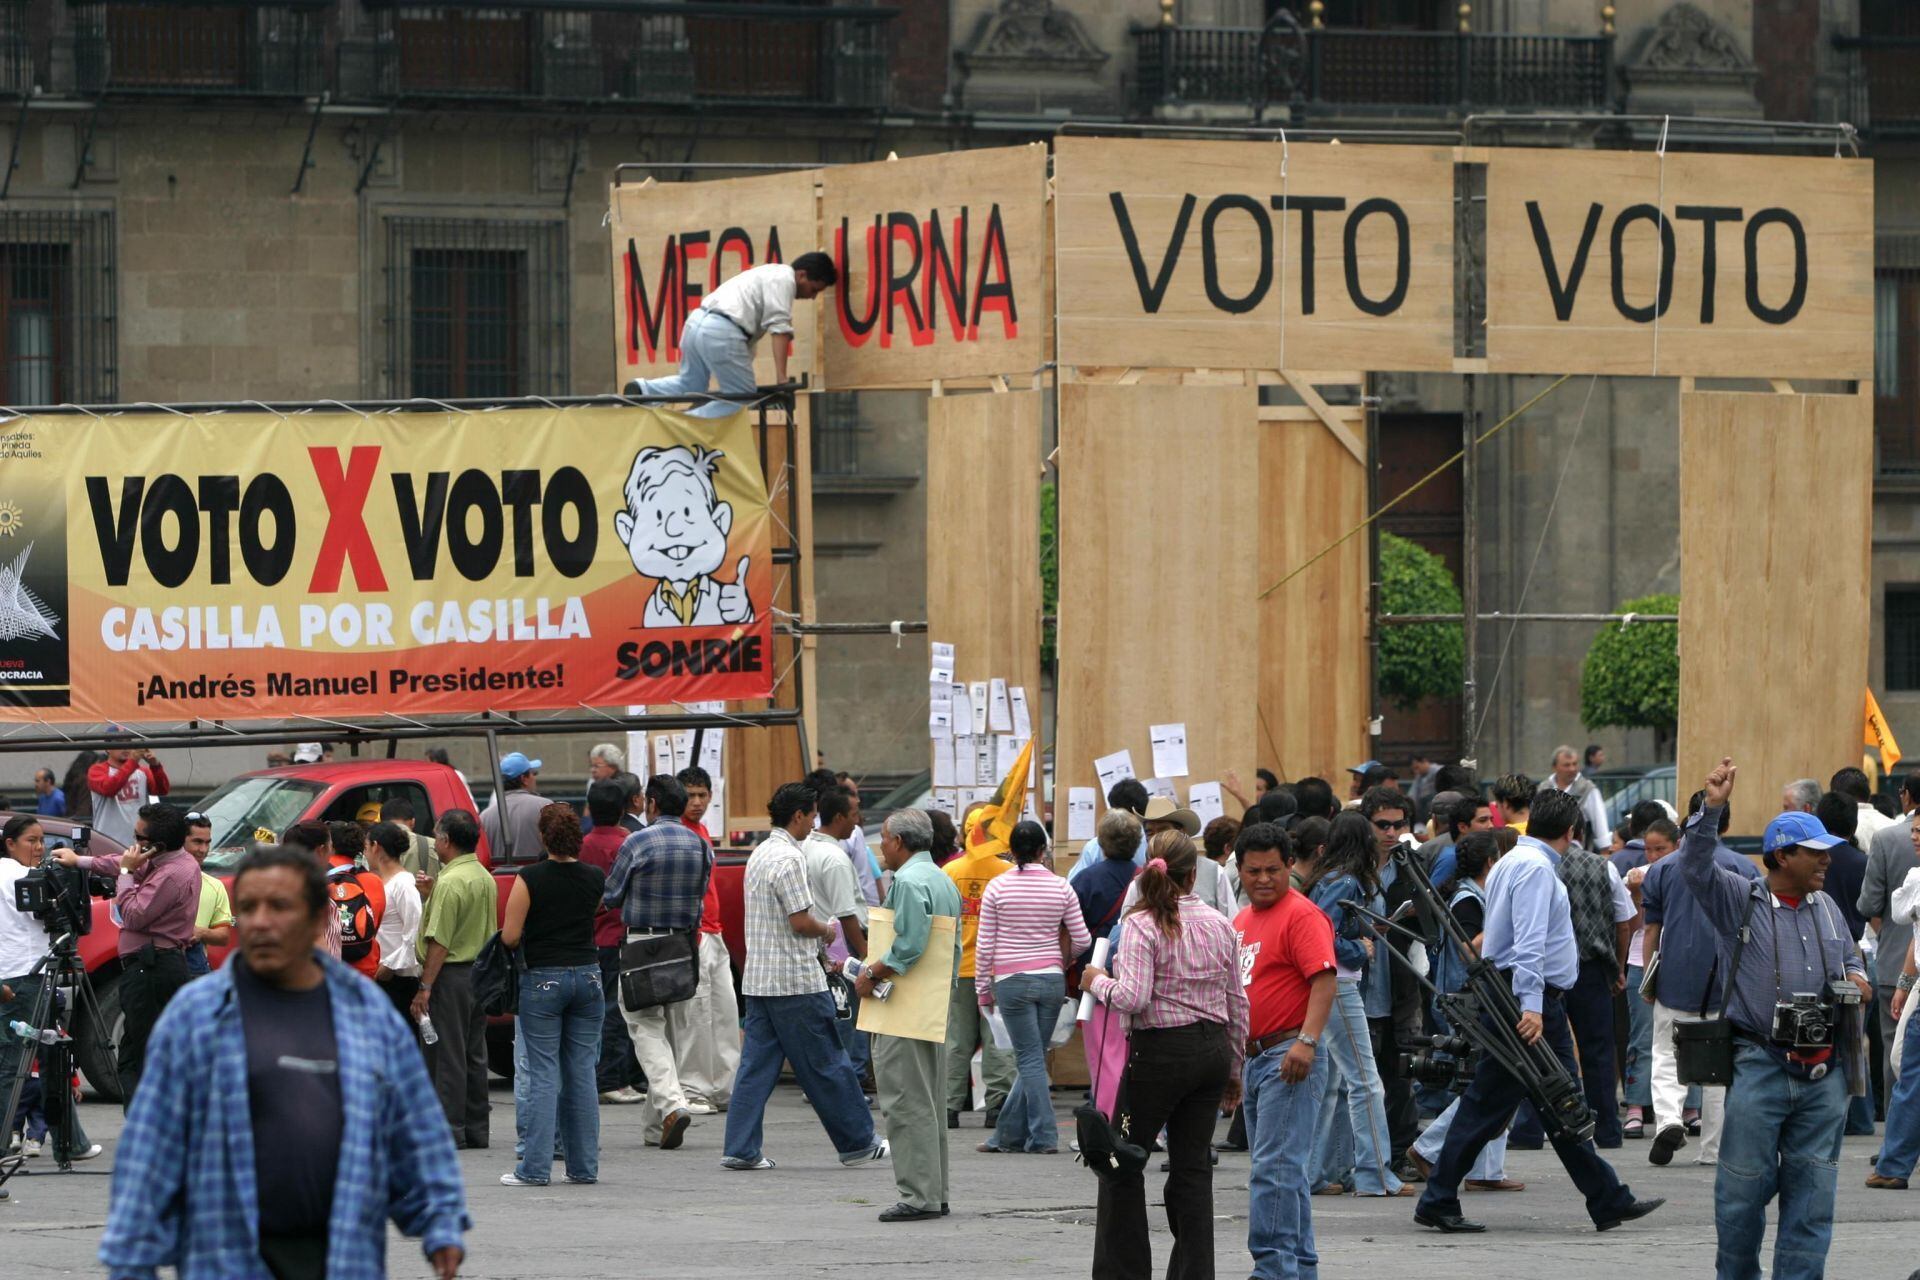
[677, 1214]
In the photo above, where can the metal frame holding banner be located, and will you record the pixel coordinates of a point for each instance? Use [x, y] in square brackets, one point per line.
[327, 559]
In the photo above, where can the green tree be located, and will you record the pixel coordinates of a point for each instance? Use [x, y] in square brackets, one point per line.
[1049, 567]
[1632, 674]
[1426, 659]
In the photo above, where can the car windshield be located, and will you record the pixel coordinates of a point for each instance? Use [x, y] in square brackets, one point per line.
[249, 809]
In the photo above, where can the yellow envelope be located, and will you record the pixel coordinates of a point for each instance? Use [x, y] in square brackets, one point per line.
[916, 1008]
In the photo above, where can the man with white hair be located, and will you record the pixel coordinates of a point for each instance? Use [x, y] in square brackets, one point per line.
[1800, 796]
[911, 1074]
[603, 762]
[1566, 776]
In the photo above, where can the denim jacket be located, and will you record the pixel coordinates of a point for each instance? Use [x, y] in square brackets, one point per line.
[1348, 929]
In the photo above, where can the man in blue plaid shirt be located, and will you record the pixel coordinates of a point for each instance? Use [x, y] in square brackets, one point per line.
[659, 884]
[285, 1113]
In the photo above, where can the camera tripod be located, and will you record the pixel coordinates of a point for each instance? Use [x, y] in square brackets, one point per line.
[60, 969]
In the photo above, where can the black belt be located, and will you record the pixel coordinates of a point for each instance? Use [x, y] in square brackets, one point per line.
[730, 320]
[1558, 993]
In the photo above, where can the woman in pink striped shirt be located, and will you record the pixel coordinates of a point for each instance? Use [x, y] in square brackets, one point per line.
[1179, 976]
[1030, 929]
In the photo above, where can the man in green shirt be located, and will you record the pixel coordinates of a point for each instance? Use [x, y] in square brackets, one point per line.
[213, 923]
[459, 918]
[911, 1074]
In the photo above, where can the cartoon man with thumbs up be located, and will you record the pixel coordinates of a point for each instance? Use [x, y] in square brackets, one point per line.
[675, 528]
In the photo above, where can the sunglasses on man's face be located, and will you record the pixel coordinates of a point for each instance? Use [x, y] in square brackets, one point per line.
[1390, 824]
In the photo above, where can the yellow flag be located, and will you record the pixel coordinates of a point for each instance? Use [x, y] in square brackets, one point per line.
[1879, 735]
[1009, 799]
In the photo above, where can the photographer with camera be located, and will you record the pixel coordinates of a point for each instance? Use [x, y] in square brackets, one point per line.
[1795, 970]
[157, 899]
[23, 942]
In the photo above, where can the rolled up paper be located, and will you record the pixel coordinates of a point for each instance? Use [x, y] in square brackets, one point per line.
[1099, 962]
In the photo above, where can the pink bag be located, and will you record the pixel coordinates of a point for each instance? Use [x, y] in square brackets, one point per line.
[1104, 1036]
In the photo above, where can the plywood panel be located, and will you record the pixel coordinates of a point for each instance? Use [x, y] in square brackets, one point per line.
[983, 535]
[674, 243]
[1313, 630]
[942, 267]
[1159, 516]
[1775, 522]
[1770, 264]
[1179, 254]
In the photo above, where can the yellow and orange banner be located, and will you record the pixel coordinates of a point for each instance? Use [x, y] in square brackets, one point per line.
[164, 566]
[1879, 736]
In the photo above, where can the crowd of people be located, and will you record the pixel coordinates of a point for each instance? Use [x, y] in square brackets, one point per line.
[1265, 976]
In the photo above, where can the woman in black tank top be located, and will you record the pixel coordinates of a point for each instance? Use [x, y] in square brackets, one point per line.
[550, 918]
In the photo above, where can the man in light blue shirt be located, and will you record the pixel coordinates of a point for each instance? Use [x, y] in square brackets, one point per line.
[1529, 938]
[1129, 794]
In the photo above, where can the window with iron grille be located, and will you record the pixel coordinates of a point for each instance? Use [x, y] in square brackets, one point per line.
[56, 308]
[1902, 620]
[476, 308]
[1896, 364]
[836, 434]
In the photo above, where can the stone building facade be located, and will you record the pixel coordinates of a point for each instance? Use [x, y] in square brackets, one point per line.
[348, 199]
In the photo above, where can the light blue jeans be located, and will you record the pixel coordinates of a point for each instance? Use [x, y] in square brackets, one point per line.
[1030, 1003]
[712, 348]
[1901, 1146]
[1489, 1166]
[1281, 1118]
[561, 1010]
[1350, 1049]
[1639, 1064]
[1782, 1138]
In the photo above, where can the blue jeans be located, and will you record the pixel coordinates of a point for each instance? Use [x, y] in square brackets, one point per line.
[1030, 1003]
[1280, 1122]
[1782, 1136]
[711, 347]
[852, 1038]
[560, 1018]
[1901, 1145]
[1349, 1046]
[1639, 1064]
[796, 1029]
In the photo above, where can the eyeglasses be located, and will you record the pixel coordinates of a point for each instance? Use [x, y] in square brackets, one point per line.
[1390, 824]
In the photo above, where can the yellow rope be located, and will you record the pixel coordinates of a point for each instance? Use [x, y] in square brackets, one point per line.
[1413, 488]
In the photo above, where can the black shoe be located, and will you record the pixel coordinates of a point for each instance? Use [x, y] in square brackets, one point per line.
[1166, 1166]
[945, 1209]
[1228, 1146]
[1448, 1223]
[904, 1212]
[1638, 1209]
[953, 1119]
[993, 1118]
[1670, 1139]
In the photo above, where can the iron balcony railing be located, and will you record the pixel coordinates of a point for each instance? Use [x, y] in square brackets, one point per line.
[1331, 72]
[622, 51]
[217, 49]
[1883, 68]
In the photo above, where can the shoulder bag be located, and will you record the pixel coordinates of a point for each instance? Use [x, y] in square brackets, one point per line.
[496, 978]
[1703, 1050]
[657, 969]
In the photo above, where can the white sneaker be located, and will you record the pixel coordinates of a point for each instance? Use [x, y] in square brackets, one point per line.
[699, 1108]
[740, 1164]
[88, 1154]
[623, 1097]
[30, 1147]
[13, 1143]
[511, 1179]
[872, 1155]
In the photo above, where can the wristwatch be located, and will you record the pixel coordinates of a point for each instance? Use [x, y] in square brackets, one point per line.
[1307, 1040]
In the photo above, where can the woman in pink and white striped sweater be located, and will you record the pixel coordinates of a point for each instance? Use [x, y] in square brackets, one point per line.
[1030, 929]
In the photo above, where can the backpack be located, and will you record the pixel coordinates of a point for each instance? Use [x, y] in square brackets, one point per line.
[355, 909]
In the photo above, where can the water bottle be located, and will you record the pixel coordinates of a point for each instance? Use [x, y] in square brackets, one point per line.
[427, 1034]
[49, 1036]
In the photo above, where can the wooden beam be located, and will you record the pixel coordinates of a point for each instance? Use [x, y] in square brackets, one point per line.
[1323, 411]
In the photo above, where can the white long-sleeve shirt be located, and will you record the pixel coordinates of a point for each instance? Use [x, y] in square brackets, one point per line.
[759, 300]
[400, 927]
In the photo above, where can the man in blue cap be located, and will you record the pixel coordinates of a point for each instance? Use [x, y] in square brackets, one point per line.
[516, 836]
[1789, 997]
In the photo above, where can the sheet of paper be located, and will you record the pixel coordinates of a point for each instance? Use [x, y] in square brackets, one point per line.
[682, 749]
[1161, 787]
[1007, 749]
[940, 721]
[712, 747]
[1169, 750]
[1080, 803]
[962, 709]
[943, 772]
[716, 820]
[1022, 715]
[983, 763]
[1204, 799]
[942, 662]
[663, 753]
[999, 716]
[977, 700]
[1113, 768]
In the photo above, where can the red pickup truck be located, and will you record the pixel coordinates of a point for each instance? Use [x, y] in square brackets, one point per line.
[261, 804]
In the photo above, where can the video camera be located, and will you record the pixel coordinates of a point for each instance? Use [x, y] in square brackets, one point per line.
[57, 895]
[1444, 1062]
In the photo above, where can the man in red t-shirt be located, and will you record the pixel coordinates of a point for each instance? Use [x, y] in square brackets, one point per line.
[1286, 965]
[618, 1070]
[706, 1029]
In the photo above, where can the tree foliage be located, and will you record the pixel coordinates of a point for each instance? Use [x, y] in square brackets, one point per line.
[1427, 658]
[1632, 674]
[1049, 567]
